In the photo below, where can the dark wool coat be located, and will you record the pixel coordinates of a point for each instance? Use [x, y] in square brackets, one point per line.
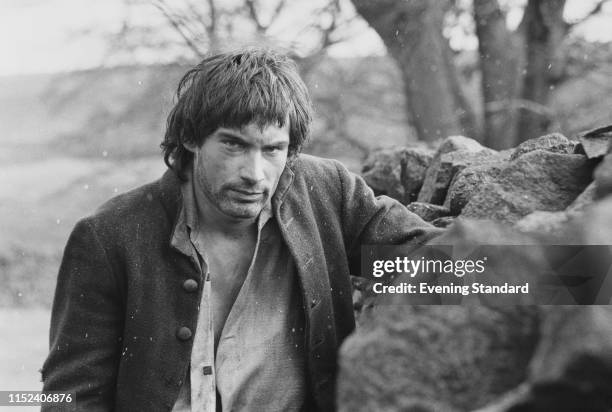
[119, 336]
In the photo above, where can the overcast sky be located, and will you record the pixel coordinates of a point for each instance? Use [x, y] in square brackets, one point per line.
[42, 36]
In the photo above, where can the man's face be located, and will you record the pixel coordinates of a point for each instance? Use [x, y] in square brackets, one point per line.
[236, 171]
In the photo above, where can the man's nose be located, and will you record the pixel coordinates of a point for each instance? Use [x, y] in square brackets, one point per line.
[252, 170]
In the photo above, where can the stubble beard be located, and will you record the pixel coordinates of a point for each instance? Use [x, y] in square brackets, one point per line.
[234, 207]
[226, 201]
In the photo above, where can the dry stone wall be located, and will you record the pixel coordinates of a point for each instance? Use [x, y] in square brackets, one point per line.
[491, 357]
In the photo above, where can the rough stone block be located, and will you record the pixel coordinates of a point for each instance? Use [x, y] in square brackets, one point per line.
[489, 357]
[596, 228]
[441, 358]
[397, 172]
[572, 367]
[538, 180]
[603, 177]
[563, 225]
[554, 142]
[584, 199]
[454, 143]
[429, 193]
[442, 170]
[438, 358]
[595, 143]
[468, 182]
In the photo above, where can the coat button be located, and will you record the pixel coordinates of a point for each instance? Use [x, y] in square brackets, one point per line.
[183, 333]
[190, 285]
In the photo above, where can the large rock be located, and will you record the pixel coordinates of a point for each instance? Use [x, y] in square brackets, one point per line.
[441, 358]
[584, 199]
[442, 171]
[603, 177]
[434, 186]
[572, 366]
[435, 358]
[468, 182]
[554, 142]
[496, 357]
[538, 180]
[454, 143]
[562, 225]
[595, 143]
[596, 227]
[397, 172]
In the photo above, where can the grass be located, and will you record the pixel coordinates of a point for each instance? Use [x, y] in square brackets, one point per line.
[23, 348]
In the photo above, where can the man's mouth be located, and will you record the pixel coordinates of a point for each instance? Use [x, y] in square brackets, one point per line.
[248, 194]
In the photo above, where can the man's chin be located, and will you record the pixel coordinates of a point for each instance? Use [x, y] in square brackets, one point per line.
[243, 211]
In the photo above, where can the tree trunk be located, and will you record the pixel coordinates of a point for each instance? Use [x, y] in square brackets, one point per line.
[412, 32]
[500, 65]
[544, 29]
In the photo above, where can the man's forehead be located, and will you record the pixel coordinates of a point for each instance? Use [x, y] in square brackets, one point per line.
[267, 133]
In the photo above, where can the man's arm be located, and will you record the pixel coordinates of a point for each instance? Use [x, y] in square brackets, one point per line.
[370, 220]
[86, 324]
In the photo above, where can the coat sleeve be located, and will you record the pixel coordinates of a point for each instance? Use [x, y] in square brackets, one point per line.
[86, 325]
[371, 220]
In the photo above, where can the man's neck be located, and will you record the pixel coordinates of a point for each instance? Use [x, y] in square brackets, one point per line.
[216, 222]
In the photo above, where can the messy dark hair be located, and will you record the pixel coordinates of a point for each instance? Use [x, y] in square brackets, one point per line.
[233, 90]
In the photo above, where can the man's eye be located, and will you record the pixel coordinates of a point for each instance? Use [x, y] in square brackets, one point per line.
[232, 145]
[273, 149]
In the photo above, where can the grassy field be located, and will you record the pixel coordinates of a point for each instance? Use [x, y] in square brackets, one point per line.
[43, 202]
[32, 326]
[23, 348]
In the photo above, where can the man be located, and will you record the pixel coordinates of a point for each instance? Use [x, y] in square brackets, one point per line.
[225, 284]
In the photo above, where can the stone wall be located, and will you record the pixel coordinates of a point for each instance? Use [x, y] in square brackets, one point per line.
[490, 357]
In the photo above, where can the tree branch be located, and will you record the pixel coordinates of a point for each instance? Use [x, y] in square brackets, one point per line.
[334, 9]
[277, 10]
[529, 105]
[163, 8]
[255, 16]
[595, 10]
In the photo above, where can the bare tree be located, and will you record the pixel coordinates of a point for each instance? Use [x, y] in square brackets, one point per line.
[543, 31]
[207, 26]
[411, 31]
[500, 65]
[519, 68]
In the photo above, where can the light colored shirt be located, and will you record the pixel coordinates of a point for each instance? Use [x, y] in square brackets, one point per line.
[260, 361]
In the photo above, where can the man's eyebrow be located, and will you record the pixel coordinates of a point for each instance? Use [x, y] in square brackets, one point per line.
[277, 143]
[229, 133]
[234, 137]
[237, 136]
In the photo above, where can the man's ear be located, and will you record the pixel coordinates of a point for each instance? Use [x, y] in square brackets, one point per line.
[191, 146]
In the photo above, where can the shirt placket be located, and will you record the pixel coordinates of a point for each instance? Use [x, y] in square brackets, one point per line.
[202, 375]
